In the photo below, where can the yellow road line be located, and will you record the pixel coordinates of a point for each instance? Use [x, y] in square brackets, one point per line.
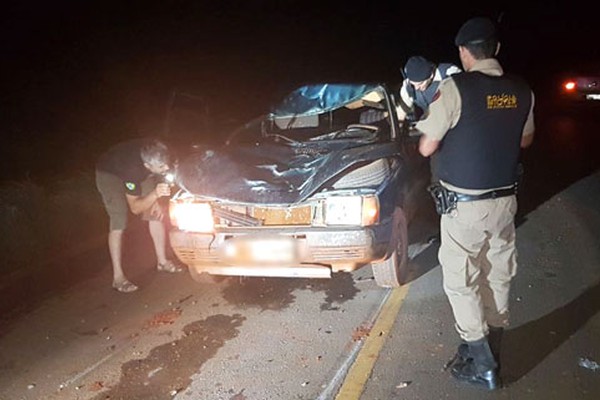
[359, 373]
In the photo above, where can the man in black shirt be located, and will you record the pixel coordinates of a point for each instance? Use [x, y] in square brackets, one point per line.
[126, 177]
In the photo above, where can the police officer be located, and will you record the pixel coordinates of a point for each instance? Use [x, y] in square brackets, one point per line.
[127, 178]
[476, 126]
[421, 81]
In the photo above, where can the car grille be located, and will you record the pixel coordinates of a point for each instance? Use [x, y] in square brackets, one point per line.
[318, 254]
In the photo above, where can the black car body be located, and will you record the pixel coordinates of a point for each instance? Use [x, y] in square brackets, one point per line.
[323, 182]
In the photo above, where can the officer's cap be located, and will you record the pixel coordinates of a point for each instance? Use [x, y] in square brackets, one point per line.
[475, 30]
[418, 69]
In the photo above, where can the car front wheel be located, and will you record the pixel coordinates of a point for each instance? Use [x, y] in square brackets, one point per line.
[391, 271]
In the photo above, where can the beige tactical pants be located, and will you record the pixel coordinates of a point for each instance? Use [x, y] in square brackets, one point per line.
[478, 258]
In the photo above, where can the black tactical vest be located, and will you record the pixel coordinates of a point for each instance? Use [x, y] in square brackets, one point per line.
[482, 150]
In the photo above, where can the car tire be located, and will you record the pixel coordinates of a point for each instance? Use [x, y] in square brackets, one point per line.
[390, 272]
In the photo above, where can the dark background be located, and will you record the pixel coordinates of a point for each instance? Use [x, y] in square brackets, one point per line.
[78, 76]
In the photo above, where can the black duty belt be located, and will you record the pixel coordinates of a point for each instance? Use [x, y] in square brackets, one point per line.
[445, 200]
[494, 194]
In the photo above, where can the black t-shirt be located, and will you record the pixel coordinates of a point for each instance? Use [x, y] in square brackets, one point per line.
[124, 160]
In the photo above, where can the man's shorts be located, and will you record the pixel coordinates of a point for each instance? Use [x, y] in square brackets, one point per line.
[113, 192]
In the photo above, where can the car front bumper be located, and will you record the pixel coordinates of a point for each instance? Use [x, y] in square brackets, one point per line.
[283, 252]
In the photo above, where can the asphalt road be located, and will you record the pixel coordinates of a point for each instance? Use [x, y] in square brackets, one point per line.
[255, 339]
[555, 315]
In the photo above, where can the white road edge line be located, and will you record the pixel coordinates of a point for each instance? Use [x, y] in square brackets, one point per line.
[86, 371]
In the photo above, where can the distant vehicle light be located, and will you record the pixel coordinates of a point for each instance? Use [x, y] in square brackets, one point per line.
[570, 86]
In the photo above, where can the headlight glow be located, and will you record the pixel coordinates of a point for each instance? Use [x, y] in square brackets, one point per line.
[569, 86]
[351, 210]
[370, 210]
[192, 217]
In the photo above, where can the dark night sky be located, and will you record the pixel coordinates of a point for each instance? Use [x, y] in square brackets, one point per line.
[80, 74]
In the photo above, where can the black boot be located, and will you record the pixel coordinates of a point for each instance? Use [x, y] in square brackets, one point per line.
[462, 356]
[495, 341]
[480, 369]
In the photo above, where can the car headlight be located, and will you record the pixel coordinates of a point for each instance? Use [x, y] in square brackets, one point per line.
[351, 210]
[191, 216]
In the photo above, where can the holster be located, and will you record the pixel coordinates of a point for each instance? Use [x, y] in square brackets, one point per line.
[445, 200]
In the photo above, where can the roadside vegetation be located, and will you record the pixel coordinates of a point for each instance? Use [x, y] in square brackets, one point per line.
[43, 222]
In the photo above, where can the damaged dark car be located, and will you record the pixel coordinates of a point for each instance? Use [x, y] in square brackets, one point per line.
[324, 182]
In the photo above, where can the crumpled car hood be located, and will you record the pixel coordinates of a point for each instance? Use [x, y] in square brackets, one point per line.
[272, 173]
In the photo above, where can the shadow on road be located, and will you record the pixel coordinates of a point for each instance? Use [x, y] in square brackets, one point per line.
[423, 262]
[526, 346]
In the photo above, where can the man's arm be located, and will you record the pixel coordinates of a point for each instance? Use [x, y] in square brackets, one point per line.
[526, 140]
[529, 127]
[139, 204]
[428, 146]
[444, 112]
[404, 103]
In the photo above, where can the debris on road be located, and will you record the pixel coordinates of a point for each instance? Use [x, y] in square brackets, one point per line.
[154, 372]
[239, 396]
[31, 386]
[404, 384]
[96, 386]
[589, 364]
[167, 317]
[360, 333]
[186, 298]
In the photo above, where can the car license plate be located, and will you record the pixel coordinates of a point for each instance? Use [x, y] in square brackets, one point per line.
[261, 250]
[301, 215]
[592, 96]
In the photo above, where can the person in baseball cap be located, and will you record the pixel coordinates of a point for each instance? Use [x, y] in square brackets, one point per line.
[418, 69]
[476, 30]
[421, 80]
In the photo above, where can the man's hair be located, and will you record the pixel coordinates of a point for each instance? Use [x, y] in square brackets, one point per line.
[482, 50]
[155, 152]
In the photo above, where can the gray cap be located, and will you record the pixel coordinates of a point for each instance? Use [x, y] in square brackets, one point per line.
[475, 30]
